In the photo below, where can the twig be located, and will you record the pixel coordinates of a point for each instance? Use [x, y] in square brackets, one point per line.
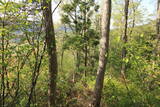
[57, 6]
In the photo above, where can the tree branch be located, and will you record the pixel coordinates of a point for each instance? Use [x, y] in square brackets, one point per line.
[57, 6]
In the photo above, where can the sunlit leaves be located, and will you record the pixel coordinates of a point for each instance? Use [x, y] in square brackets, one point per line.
[67, 8]
[65, 19]
[30, 1]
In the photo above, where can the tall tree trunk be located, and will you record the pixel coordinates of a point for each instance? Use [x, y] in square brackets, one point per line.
[3, 68]
[51, 49]
[124, 50]
[125, 37]
[3, 60]
[85, 59]
[104, 48]
[158, 28]
[86, 41]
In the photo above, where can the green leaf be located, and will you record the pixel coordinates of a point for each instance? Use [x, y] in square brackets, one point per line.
[141, 35]
[36, 12]
[30, 1]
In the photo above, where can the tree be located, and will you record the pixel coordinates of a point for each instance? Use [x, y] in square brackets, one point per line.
[125, 37]
[158, 26]
[125, 40]
[104, 48]
[51, 49]
[77, 15]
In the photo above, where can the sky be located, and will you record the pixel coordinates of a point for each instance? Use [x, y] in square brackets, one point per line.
[148, 5]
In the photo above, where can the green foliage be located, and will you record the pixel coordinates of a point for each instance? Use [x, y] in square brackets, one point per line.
[24, 38]
[115, 93]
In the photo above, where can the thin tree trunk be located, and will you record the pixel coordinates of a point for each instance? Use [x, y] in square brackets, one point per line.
[3, 60]
[156, 50]
[3, 70]
[86, 40]
[35, 76]
[62, 55]
[77, 61]
[134, 18]
[104, 48]
[124, 50]
[158, 28]
[37, 65]
[125, 37]
[51, 48]
[85, 60]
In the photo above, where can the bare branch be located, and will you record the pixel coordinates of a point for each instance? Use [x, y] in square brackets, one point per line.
[57, 6]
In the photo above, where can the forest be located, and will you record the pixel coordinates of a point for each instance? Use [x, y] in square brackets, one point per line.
[79, 53]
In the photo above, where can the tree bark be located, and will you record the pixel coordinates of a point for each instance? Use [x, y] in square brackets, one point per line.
[124, 50]
[125, 37]
[104, 48]
[51, 49]
[3, 68]
[3, 86]
[85, 59]
[158, 28]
